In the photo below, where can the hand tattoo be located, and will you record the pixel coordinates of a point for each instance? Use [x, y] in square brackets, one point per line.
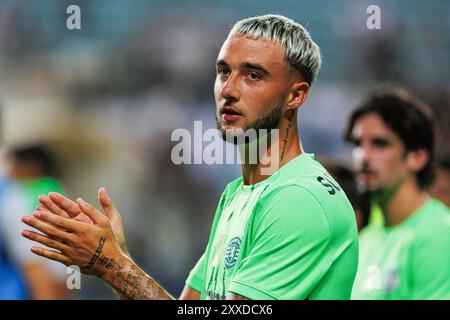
[97, 253]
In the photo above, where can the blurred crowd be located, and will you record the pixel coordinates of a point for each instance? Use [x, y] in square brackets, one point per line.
[81, 109]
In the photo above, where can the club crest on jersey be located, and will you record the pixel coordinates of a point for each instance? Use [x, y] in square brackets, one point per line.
[232, 253]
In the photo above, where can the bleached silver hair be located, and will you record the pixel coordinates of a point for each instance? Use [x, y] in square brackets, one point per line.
[302, 53]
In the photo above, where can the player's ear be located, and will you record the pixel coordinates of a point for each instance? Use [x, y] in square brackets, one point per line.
[298, 93]
[416, 160]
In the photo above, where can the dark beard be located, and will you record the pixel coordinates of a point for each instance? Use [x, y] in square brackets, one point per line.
[268, 122]
[380, 195]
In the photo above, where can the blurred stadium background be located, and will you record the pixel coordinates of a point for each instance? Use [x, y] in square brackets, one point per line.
[107, 97]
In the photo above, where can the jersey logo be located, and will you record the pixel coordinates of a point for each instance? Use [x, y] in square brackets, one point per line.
[392, 281]
[328, 183]
[232, 252]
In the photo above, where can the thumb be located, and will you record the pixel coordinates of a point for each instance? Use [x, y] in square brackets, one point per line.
[107, 204]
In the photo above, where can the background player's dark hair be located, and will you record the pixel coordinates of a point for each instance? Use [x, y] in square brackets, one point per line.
[345, 177]
[39, 155]
[409, 117]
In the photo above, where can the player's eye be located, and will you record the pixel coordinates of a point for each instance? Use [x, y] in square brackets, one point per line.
[222, 71]
[380, 143]
[254, 76]
[355, 142]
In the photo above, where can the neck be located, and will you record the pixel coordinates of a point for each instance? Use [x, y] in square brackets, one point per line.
[282, 148]
[403, 203]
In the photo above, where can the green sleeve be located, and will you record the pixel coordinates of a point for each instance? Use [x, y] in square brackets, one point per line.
[431, 265]
[196, 277]
[288, 244]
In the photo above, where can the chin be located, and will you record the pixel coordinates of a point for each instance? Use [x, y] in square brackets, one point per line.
[368, 188]
[233, 135]
[375, 191]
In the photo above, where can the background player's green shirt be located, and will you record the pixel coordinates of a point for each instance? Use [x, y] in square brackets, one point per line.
[291, 236]
[35, 187]
[407, 261]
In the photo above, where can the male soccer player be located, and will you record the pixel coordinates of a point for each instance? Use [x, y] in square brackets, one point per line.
[408, 255]
[288, 235]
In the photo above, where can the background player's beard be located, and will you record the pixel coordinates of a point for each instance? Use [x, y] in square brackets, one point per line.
[369, 192]
[380, 194]
[268, 121]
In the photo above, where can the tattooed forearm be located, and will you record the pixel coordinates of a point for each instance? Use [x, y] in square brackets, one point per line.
[97, 253]
[139, 286]
[153, 290]
[110, 264]
[131, 283]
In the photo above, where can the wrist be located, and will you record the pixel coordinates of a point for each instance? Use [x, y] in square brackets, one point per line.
[112, 267]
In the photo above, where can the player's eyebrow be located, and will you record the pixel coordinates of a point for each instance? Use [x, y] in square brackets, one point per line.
[354, 140]
[379, 141]
[255, 66]
[246, 65]
[221, 63]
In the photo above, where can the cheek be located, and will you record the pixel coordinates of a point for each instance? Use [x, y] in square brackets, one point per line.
[264, 90]
[357, 156]
[217, 89]
[391, 164]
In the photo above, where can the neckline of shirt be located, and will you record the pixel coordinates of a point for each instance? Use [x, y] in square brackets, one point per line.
[275, 175]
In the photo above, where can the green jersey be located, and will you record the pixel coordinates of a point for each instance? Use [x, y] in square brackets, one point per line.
[408, 261]
[35, 187]
[291, 236]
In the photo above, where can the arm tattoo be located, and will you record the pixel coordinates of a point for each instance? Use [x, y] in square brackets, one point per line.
[110, 265]
[131, 283]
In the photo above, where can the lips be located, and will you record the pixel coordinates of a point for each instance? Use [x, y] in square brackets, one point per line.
[367, 175]
[367, 172]
[230, 114]
[230, 110]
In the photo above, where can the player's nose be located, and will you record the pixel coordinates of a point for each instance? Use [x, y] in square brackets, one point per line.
[361, 156]
[230, 89]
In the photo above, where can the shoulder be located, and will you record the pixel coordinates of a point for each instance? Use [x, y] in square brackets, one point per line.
[308, 173]
[290, 194]
[433, 222]
[289, 208]
[429, 252]
[429, 236]
[315, 196]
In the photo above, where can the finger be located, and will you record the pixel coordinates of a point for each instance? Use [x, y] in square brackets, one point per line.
[65, 203]
[52, 255]
[61, 222]
[52, 207]
[46, 241]
[45, 210]
[47, 229]
[91, 212]
[107, 204]
[41, 207]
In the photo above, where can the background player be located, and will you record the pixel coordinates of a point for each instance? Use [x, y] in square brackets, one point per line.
[407, 257]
